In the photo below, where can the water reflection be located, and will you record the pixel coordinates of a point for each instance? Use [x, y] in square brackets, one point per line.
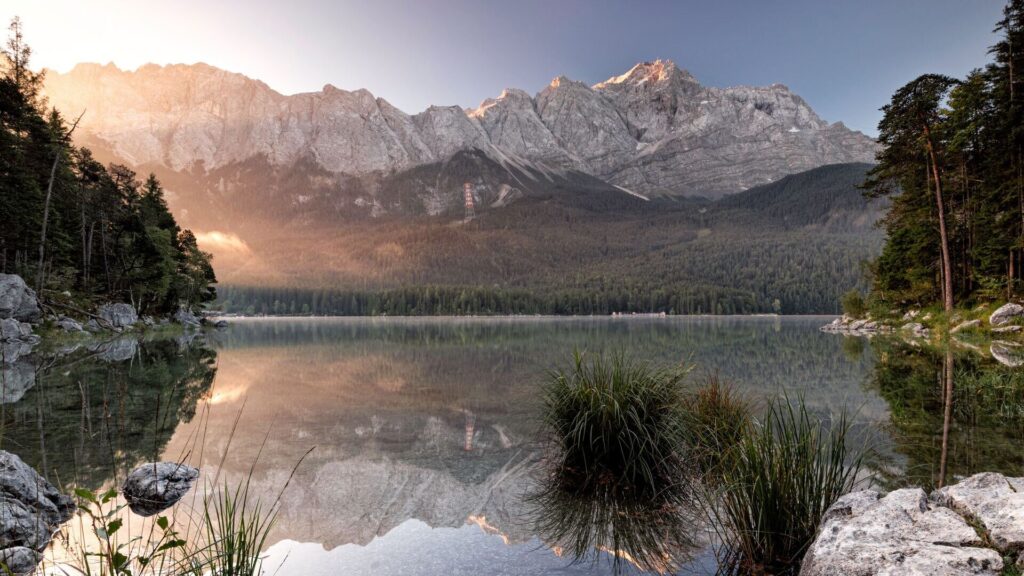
[85, 414]
[425, 430]
[955, 411]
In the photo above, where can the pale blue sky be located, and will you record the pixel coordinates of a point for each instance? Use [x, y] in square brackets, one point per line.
[844, 57]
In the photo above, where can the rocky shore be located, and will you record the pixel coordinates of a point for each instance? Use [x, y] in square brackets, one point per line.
[973, 527]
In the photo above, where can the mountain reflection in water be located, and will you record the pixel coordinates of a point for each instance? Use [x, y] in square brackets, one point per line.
[425, 429]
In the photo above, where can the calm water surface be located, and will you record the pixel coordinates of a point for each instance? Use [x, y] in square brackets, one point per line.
[424, 430]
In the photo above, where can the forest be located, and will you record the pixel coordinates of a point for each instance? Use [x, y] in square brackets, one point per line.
[72, 225]
[953, 164]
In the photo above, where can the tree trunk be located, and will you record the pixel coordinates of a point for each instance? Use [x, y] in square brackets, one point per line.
[46, 217]
[947, 268]
[947, 412]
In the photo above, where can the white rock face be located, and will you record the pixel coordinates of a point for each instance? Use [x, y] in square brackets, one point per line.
[654, 129]
[865, 534]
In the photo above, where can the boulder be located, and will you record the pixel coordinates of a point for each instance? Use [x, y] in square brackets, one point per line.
[31, 510]
[156, 486]
[1007, 353]
[901, 533]
[220, 323]
[16, 378]
[1011, 329]
[93, 326]
[185, 317]
[993, 500]
[19, 560]
[118, 315]
[1006, 314]
[69, 324]
[17, 300]
[916, 328]
[968, 325]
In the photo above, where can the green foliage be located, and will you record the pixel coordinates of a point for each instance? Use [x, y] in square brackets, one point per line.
[617, 478]
[782, 477]
[853, 304]
[717, 418]
[972, 129]
[108, 236]
[616, 423]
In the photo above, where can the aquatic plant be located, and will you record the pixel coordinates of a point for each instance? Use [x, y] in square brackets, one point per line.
[781, 478]
[617, 480]
[616, 422]
[717, 417]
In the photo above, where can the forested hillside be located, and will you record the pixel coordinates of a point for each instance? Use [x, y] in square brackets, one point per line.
[793, 246]
[69, 224]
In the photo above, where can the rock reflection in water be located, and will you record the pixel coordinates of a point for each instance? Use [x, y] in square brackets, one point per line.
[84, 415]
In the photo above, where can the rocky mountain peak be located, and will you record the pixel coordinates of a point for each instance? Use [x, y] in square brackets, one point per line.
[654, 129]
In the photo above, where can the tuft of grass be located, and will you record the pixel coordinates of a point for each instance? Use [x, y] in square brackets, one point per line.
[717, 418]
[617, 479]
[784, 474]
[616, 422]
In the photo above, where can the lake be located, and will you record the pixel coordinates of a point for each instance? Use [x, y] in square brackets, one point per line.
[424, 432]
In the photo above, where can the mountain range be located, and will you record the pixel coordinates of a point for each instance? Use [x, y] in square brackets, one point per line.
[627, 186]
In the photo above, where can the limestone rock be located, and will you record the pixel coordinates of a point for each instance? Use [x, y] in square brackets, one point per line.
[993, 500]
[156, 486]
[968, 325]
[118, 315]
[1005, 314]
[185, 317]
[899, 534]
[1007, 353]
[11, 330]
[20, 560]
[16, 378]
[17, 300]
[31, 509]
[69, 324]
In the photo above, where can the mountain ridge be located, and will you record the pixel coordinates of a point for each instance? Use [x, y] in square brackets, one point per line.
[654, 130]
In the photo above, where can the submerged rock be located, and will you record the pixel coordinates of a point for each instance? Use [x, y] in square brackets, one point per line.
[1005, 314]
[31, 510]
[16, 378]
[17, 300]
[156, 486]
[118, 315]
[117, 350]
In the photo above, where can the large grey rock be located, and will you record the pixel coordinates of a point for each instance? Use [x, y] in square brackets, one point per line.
[185, 317]
[16, 378]
[993, 500]
[17, 300]
[1005, 314]
[864, 534]
[118, 315]
[1007, 353]
[69, 324]
[156, 486]
[19, 560]
[31, 509]
[12, 330]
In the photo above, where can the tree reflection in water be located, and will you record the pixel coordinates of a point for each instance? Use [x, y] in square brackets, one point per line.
[954, 411]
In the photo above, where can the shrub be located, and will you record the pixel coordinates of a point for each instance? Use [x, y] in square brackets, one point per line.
[853, 304]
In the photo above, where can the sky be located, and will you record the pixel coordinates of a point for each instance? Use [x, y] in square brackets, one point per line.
[844, 57]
